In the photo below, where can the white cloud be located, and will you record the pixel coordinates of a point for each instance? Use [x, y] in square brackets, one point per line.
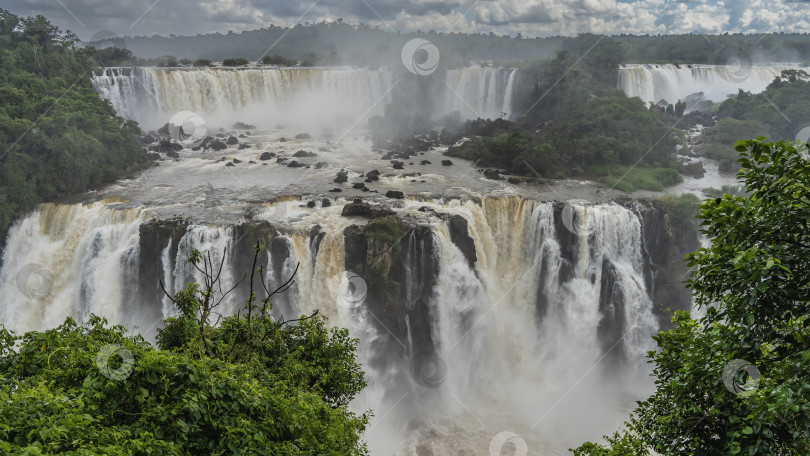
[529, 17]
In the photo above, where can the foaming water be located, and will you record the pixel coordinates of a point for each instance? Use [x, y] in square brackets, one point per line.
[517, 334]
[653, 83]
[305, 97]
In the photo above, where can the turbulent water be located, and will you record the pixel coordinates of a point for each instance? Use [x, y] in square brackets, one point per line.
[527, 323]
[518, 332]
[302, 96]
[671, 83]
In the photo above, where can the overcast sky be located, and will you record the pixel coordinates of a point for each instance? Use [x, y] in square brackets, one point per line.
[529, 17]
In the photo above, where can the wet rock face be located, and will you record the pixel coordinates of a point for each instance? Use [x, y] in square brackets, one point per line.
[611, 328]
[360, 209]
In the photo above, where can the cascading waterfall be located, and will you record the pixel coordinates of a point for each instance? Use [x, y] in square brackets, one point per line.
[264, 97]
[520, 331]
[479, 92]
[653, 83]
[299, 96]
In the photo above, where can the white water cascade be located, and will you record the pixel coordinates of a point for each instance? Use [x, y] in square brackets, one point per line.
[479, 92]
[653, 83]
[518, 332]
[268, 97]
[264, 97]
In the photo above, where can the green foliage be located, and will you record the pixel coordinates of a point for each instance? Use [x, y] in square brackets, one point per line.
[57, 136]
[202, 62]
[277, 60]
[250, 385]
[236, 61]
[753, 283]
[629, 179]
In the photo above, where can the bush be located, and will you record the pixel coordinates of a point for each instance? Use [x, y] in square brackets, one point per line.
[277, 60]
[237, 61]
[201, 62]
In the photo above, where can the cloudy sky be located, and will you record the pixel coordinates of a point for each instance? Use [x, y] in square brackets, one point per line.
[529, 17]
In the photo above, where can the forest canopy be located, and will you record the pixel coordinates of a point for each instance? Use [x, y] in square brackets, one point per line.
[57, 136]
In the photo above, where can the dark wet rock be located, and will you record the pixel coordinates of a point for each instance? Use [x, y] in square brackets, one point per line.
[373, 175]
[147, 139]
[229, 164]
[220, 135]
[366, 210]
[282, 139]
[303, 153]
[252, 162]
[295, 164]
[321, 165]
[326, 202]
[335, 190]
[359, 185]
[243, 126]
[446, 163]
[266, 155]
[425, 162]
[164, 130]
[492, 174]
[244, 146]
[242, 135]
[310, 204]
[342, 176]
[694, 169]
[281, 160]
[520, 179]
[303, 136]
[217, 145]
[232, 140]
[397, 164]
[394, 194]
[172, 154]
[237, 161]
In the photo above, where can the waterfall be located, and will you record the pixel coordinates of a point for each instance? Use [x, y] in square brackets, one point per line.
[523, 337]
[265, 97]
[268, 97]
[653, 83]
[479, 92]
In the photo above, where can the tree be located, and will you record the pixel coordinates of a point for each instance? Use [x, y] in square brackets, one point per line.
[250, 385]
[735, 381]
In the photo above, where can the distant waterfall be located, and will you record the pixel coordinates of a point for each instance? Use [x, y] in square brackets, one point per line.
[479, 92]
[653, 83]
[528, 332]
[268, 97]
[263, 97]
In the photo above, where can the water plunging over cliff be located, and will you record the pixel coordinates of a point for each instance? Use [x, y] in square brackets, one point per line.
[671, 83]
[507, 313]
[301, 96]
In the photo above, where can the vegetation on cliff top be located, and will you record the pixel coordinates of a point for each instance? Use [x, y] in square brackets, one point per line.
[57, 136]
[735, 380]
[245, 384]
